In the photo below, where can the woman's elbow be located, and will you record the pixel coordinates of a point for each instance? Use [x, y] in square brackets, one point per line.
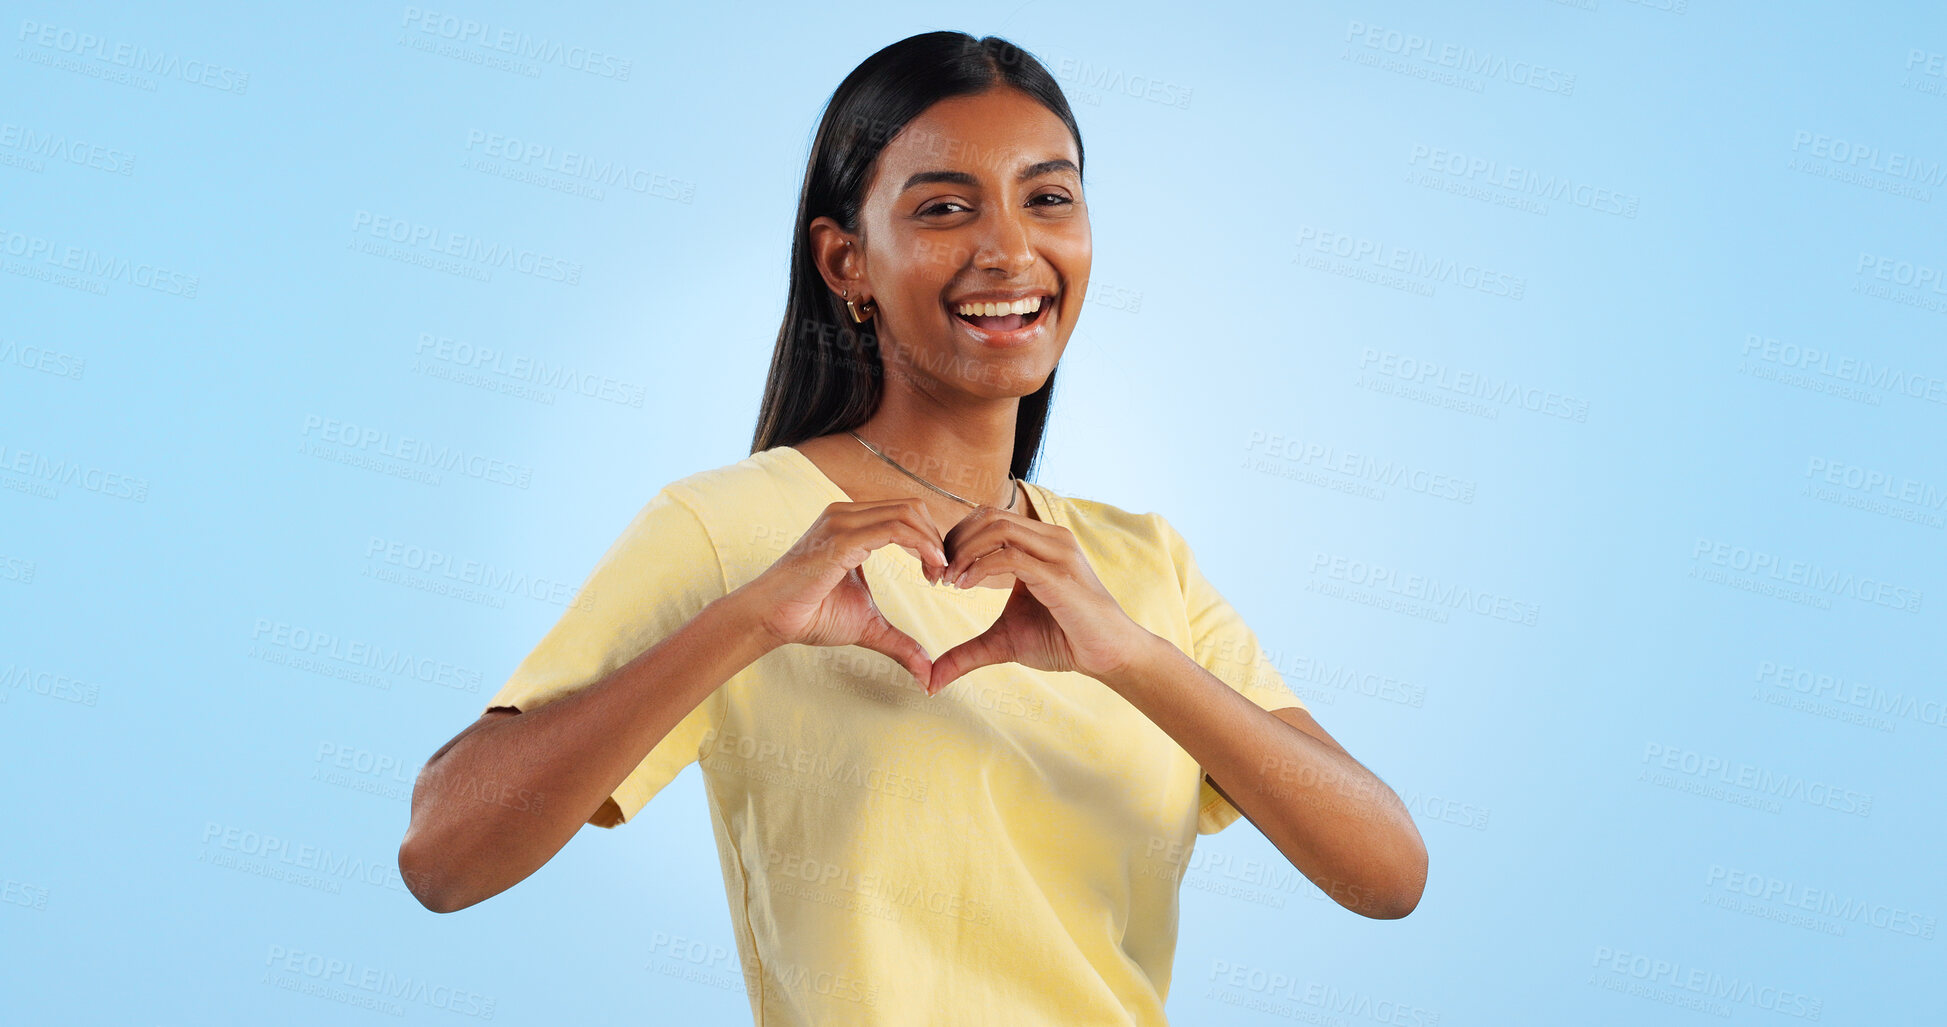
[421, 875]
[1401, 894]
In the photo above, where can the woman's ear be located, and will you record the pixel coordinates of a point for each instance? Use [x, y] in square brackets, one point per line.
[840, 257]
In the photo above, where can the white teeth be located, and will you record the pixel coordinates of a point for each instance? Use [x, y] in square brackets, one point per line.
[1026, 306]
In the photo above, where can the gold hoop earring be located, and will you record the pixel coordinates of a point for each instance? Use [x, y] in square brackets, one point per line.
[871, 308]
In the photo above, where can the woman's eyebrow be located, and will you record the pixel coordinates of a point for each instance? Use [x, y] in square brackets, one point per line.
[963, 178]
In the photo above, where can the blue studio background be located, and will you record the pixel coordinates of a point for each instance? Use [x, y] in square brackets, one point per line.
[1557, 387]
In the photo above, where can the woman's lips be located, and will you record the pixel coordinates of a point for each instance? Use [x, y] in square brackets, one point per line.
[1008, 329]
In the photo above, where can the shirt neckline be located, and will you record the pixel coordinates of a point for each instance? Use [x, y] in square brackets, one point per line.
[1043, 499]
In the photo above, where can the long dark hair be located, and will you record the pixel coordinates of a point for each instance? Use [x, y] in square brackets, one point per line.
[826, 373]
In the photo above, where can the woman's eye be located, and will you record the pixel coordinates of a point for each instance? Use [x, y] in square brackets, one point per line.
[1057, 197]
[940, 207]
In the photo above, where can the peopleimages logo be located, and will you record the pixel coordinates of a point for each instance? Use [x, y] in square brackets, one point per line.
[55, 146]
[515, 368]
[517, 43]
[1861, 695]
[1761, 782]
[1358, 466]
[1415, 268]
[1864, 479]
[576, 166]
[361, 984]
[1408, 46]
[1113, 80]
[489, 578]
[1865, 157]
[135, 58]
[397, 661]
[1523, 181]
[1470, 384]
[92, 267]
[1809, 576]
[1709, 991]
[1822, 902]
[1441, 595]
[414, 453]
[484, 254]
[1853, 370]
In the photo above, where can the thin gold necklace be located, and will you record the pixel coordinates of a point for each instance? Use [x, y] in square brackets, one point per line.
[1011, 497]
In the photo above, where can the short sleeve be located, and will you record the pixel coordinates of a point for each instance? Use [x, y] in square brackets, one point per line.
[1226, 647]
[654, 579]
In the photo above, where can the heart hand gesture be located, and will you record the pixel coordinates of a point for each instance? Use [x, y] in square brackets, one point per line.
[1059, 617]
[815, 594]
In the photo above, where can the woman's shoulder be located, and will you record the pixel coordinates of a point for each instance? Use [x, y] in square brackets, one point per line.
[1100, 513]
[1110, 525]
[741, 485]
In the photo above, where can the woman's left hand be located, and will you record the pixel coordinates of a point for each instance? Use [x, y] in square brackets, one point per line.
[1059, 616]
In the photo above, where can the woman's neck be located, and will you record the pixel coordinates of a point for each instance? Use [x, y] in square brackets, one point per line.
[973, 466]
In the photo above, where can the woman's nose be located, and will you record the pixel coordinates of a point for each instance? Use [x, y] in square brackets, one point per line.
[1005, 242]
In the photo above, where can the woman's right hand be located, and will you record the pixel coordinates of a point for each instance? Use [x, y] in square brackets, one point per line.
[815, 594]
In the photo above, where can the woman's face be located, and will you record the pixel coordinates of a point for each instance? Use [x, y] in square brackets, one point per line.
[978, 200]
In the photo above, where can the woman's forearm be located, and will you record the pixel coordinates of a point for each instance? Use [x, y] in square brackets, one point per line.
[1331, 817]
[501, 798]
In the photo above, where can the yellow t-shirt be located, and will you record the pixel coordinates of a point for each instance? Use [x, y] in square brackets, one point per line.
[1006, 852]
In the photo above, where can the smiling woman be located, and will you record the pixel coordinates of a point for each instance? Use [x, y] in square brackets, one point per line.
[959, 731]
